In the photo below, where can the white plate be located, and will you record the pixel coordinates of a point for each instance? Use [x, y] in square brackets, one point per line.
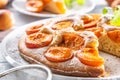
[12, 54]
[19, 5]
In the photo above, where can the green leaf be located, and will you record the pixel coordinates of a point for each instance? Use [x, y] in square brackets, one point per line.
[116, 19]
[80, 2]
[105, 11]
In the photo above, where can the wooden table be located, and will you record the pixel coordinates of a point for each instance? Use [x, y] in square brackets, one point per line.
[22, 19]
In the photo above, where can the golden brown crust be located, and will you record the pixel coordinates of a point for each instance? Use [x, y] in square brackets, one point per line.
[6, 20]
[109, 46]
[71, 67]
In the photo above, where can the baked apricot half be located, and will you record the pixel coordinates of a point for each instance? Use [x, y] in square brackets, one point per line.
[62, 24]
[58, 54]
[33, 29]
[91, 24]
[90, 57]
[35, 5]
[97, 31]
[37, 40]
[92, 21]
[72, 40]
[114, 35]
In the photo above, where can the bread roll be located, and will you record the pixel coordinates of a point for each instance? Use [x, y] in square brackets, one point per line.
[3, 3]
[6, 19]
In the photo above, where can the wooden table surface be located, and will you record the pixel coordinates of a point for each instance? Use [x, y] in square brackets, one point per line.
[22, 19]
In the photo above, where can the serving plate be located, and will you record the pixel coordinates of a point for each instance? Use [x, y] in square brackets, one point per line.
[19, 5]
[12, 55]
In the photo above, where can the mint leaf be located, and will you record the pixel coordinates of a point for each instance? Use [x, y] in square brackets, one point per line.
[115, 21]
[105, 11]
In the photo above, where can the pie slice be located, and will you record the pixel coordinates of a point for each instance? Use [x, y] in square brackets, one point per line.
[110, 40]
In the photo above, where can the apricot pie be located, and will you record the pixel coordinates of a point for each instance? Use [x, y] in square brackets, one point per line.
[68, 46]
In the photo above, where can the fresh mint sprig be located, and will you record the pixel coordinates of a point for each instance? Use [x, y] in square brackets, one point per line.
[105, 11]
[115, 21]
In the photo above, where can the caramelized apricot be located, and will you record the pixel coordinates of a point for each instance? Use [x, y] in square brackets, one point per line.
[72, 40]
[37, 40]
[58, 54]
[62, 25]
[97, 31]
[91, 22]
[90, 57]
[114, 35]
[35, 5]
[33, 29]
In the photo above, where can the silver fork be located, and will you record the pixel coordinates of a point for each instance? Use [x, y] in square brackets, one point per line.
[23, 67]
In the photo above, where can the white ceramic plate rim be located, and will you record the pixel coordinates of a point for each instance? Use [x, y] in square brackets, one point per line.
[18, 8]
